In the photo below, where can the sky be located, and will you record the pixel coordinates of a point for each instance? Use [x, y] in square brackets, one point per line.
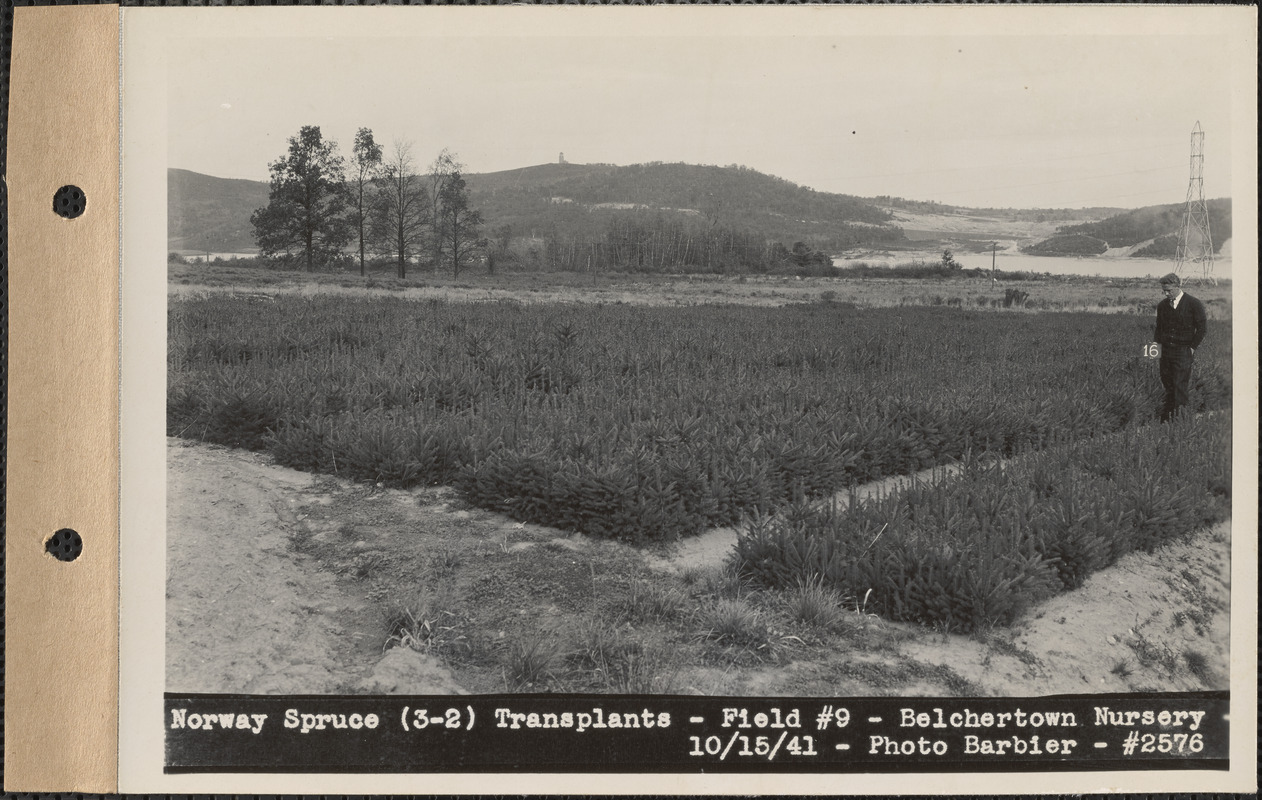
[974, 116]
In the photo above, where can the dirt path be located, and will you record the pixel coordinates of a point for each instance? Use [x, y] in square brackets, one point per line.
[245, 612]
[283, 582]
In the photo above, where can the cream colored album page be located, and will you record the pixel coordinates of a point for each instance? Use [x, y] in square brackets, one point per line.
[743, 400]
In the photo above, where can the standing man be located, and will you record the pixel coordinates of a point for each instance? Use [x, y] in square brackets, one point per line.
[1180, 329]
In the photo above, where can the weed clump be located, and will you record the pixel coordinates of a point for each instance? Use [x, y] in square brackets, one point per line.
[1122, 668]
[1197, 663]
[427, 625]
[649, 602]
[532, 660]
[620, 663]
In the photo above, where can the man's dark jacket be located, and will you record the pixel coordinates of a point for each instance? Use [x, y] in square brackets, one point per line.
[1180, 327]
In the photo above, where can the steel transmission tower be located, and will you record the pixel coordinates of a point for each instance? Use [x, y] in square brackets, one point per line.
[1195, 245]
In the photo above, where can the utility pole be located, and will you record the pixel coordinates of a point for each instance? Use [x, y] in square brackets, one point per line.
[994, 248]
[1196, 217]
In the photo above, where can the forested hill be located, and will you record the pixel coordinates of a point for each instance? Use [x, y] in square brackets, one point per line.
[211, 214]
[1156, 225]
[576, 203]
[577, 199]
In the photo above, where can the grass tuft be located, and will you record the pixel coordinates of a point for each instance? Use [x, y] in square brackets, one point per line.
[445, 561]
[1197, 663]
[816, 605]
[426, 626]
[649, 602]
[733, 621]
[622, 664]
[531, 661]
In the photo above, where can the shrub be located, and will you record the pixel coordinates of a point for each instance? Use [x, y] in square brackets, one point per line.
[1015, 297]
[1160, 247]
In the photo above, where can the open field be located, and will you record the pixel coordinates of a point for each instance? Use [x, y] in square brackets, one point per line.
[1051, 293]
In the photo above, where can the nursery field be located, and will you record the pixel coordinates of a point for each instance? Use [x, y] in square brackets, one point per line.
[648, 425]
[980, 546]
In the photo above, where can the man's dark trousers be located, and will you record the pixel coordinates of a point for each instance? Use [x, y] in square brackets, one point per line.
[1179, 331]
[1176, 374]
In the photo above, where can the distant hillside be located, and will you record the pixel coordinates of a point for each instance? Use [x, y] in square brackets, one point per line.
[578, 200]
[211, 214]
[1009, 214]
[1158, 225]
[539, 175]
[574, 202]
[585, 215]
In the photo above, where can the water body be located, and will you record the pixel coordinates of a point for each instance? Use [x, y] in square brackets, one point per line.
[1054, 265]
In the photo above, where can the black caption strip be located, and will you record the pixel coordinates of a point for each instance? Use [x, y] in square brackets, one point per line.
[602, 733]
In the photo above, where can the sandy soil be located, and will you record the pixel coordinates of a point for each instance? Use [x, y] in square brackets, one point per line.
[245, 611]
[283, 582]
[996, 227]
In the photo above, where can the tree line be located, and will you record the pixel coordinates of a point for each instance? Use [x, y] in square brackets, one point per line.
[653, 241]
[578, 203]
[321, 203]
[328, 211]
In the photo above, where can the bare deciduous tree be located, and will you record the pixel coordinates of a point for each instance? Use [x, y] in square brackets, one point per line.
[402, 213]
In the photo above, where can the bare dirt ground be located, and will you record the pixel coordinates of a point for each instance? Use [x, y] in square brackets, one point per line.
[284, 582]
[981, 223]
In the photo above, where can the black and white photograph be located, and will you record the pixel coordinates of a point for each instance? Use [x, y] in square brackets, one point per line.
[796, 353]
